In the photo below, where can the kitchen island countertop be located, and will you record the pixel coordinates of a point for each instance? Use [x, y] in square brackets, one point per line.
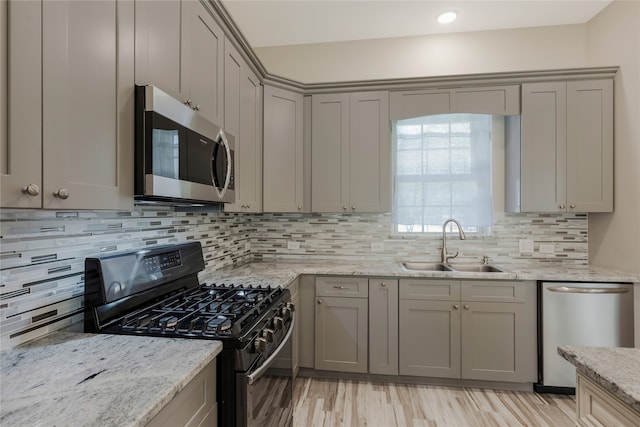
[73, 379]
[616, 369]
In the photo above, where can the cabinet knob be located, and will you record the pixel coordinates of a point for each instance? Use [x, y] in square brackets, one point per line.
[561, 206]
[197, 107]
[466, 307]
[383, 284]
[31, 189]
[344, 208]
[572, 206]
[319, 301]
[299, 208]
[456, 306]
[188, 102]
[62, 193]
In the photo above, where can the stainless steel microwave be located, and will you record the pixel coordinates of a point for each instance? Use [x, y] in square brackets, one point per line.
[180, 157]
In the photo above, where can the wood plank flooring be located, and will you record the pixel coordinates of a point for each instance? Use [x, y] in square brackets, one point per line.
[334, 403]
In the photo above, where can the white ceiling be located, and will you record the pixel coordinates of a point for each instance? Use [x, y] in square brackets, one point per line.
[276, 23]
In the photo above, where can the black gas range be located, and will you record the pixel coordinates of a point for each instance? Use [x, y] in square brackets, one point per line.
[156, 292]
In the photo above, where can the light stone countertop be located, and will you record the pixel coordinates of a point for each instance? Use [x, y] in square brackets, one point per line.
[616, 369]
[283, 272]
[74, 379]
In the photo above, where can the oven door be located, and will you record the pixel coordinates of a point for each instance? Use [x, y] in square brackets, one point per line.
[265, 392]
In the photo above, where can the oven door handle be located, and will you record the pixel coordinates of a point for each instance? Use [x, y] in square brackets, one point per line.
[255, 375]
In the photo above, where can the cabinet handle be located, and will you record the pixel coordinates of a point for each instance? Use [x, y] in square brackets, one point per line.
[572, 206]
[383, 284]
[62, 193]
[561, 206]
[188, 102]
[466, 307]
[319, 301]
[31, 189]
[340, 287]
[456, 306]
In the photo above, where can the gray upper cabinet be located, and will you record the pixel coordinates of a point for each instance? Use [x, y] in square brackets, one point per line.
[383, 326]
[243, 118]
[283, 147]
[499, 100]
[86, 126]
[564, 153]
[180, 49]
[351, 152]
[20, 91]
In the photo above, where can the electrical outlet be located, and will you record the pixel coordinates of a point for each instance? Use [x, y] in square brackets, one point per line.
[293, 245]
[377, 246]
[547, 248]
[525, 246]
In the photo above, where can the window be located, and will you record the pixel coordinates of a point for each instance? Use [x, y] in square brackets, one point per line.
[442, 170]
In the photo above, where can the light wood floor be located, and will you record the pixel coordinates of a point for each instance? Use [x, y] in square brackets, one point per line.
[333, 403]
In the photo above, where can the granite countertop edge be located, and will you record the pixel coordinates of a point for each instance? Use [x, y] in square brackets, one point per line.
[616, 369]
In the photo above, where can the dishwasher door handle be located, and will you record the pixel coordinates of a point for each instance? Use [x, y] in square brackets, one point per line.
[573, 290]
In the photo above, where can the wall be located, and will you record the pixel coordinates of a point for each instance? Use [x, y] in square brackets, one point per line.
[348, 237]
[613, 38]
[42, 257]
[435, 55]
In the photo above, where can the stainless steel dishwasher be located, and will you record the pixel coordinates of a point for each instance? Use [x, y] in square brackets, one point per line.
[576, 313]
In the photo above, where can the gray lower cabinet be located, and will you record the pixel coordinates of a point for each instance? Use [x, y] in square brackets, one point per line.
[383, 326]
[341, 324]
[193, 406]
[484, 331]
[305, 311]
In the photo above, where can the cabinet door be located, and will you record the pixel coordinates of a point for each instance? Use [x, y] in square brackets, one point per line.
[429, 338]
[543, 147]
[20, 96]
[330, 153]
[369, 173]
[88, 75]
[159, 50]
[341, 334]
[283, 178]
[203, 63]
[499, 341]
[590, 146]
[243, 118]
[383, 326]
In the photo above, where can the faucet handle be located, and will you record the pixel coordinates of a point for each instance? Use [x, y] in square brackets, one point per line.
[485, 259]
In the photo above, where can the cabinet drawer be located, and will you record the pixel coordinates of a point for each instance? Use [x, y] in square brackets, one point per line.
[355, 287]
[441, 290]
[497, 291]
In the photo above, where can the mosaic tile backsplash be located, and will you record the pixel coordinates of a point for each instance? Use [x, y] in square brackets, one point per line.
[42, 252]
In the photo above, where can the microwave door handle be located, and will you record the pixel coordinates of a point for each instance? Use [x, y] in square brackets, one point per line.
[227, 180]
[255, 375]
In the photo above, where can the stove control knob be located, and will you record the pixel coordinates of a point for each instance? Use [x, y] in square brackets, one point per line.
[291, 307]
[285, 312]
[278, 322]
[268, 334]
[260, 345]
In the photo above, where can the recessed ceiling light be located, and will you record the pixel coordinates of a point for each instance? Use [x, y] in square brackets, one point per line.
[447, 17]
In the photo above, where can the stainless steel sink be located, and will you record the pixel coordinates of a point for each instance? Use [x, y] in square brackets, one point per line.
[477, 268]
[424, 266]
[460, 268]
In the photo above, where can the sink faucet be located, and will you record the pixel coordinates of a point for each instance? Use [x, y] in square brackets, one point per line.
[445, 257]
